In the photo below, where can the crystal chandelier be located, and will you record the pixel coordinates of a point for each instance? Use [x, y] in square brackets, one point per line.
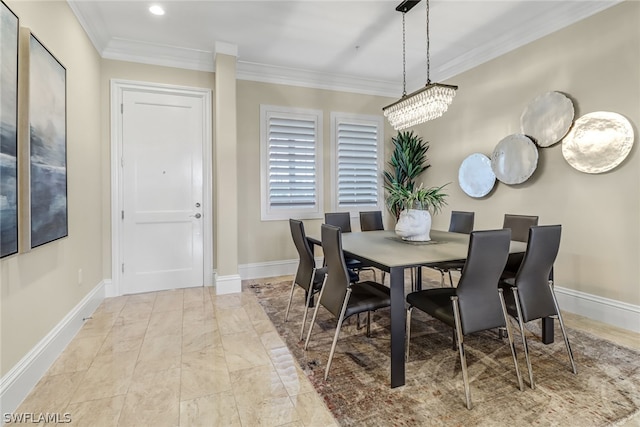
[427, 103]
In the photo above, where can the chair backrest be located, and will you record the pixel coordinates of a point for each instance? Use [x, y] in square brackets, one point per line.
[337, 282]
[371, 221]
[477, 290]
[461, 222]
[532, 279]
[307, 263]
[519, 225]
[339, 219]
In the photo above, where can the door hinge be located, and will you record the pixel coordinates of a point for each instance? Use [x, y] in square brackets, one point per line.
[121, 108]
[123, 267]
[122, 214]
[121, 162]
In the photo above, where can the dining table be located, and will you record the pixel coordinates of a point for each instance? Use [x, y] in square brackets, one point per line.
[386, 251]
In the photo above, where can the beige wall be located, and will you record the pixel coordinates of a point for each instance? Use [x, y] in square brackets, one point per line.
[263, 241]
[39, 288]
[597, 64]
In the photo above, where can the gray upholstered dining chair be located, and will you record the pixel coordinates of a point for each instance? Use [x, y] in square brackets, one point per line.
[371, 221]
[308, 276]
[519, 226]
[477, 304]
[341, 297]
[343, 221]
[530, 295]
[461, 222]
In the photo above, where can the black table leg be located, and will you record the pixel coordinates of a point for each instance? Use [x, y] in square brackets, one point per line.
[398, 325]
[547, 330]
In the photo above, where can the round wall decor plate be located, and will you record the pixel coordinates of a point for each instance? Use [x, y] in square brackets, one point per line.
[598, 142]
[514, 159]
[475, 176]
[547, 118]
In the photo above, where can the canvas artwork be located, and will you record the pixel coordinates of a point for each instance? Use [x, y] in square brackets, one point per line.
[8, 135]
[48, 145]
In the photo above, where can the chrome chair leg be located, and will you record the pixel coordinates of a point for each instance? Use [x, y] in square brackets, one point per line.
[406, 352]
[564, 332]
[512, 344]
[315, 313]
[306, 308]
[335, 337]
[524, 338]
[463, 358]
[368, 324]
[450, 278]
[293, 285]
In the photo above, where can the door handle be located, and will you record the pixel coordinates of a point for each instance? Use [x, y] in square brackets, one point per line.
[196, 215]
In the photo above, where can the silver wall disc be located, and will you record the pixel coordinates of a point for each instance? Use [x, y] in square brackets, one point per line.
[514, 159]
[475, 176]
[547, 118]
[598, 142]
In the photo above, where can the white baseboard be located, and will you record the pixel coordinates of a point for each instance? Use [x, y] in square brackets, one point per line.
[270, 269]
[109, 289]
[227, 284]
[605, 310]
[22, 378]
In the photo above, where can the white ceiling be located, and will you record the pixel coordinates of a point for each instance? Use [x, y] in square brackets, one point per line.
[351, 45]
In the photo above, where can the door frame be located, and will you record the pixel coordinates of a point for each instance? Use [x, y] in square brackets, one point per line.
[117, 89]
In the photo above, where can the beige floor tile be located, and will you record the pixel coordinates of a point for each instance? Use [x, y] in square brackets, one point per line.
[257, 383]
[294, 380]
[275, 411]
[169, 301]
[52, 393]
[111, 305]
[156, 347]
[157, 364]
[216, 410]
[312, 410]
[204, 373]
[108, 376]
[98, 325]
[124, 337]
[165, 323]
[136, 311]
[244, 350]
[78, 356]
[233, 320]
[96, 413]
[153, 400]
[197, 338]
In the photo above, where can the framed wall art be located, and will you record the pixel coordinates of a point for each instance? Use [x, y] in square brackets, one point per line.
[47, 145]
[9, 28]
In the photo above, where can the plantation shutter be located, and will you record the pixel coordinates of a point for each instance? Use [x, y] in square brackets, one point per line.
[292, 177]
[357, 170]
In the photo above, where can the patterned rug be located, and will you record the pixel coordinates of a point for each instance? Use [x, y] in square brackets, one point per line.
[606, 390]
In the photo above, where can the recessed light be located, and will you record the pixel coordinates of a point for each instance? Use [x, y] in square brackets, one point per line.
[156, 10]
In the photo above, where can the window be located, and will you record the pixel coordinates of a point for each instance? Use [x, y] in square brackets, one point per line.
[357, 147]
[291, 163]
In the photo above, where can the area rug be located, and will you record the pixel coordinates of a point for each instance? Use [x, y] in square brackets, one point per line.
[606, 390]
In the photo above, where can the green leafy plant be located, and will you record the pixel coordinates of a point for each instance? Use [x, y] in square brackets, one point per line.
[431, 198]
[408, 161]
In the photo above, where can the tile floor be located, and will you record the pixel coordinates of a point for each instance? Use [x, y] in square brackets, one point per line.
[189, 358]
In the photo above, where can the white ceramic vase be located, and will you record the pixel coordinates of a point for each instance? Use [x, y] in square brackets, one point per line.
[414, 225]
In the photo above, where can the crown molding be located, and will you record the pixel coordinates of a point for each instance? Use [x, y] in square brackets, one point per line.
[565, 14]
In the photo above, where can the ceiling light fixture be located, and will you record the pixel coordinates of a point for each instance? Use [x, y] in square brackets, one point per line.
[156, 10]
[427, 103]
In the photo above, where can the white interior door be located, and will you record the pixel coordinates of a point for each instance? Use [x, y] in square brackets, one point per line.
[162, 191]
